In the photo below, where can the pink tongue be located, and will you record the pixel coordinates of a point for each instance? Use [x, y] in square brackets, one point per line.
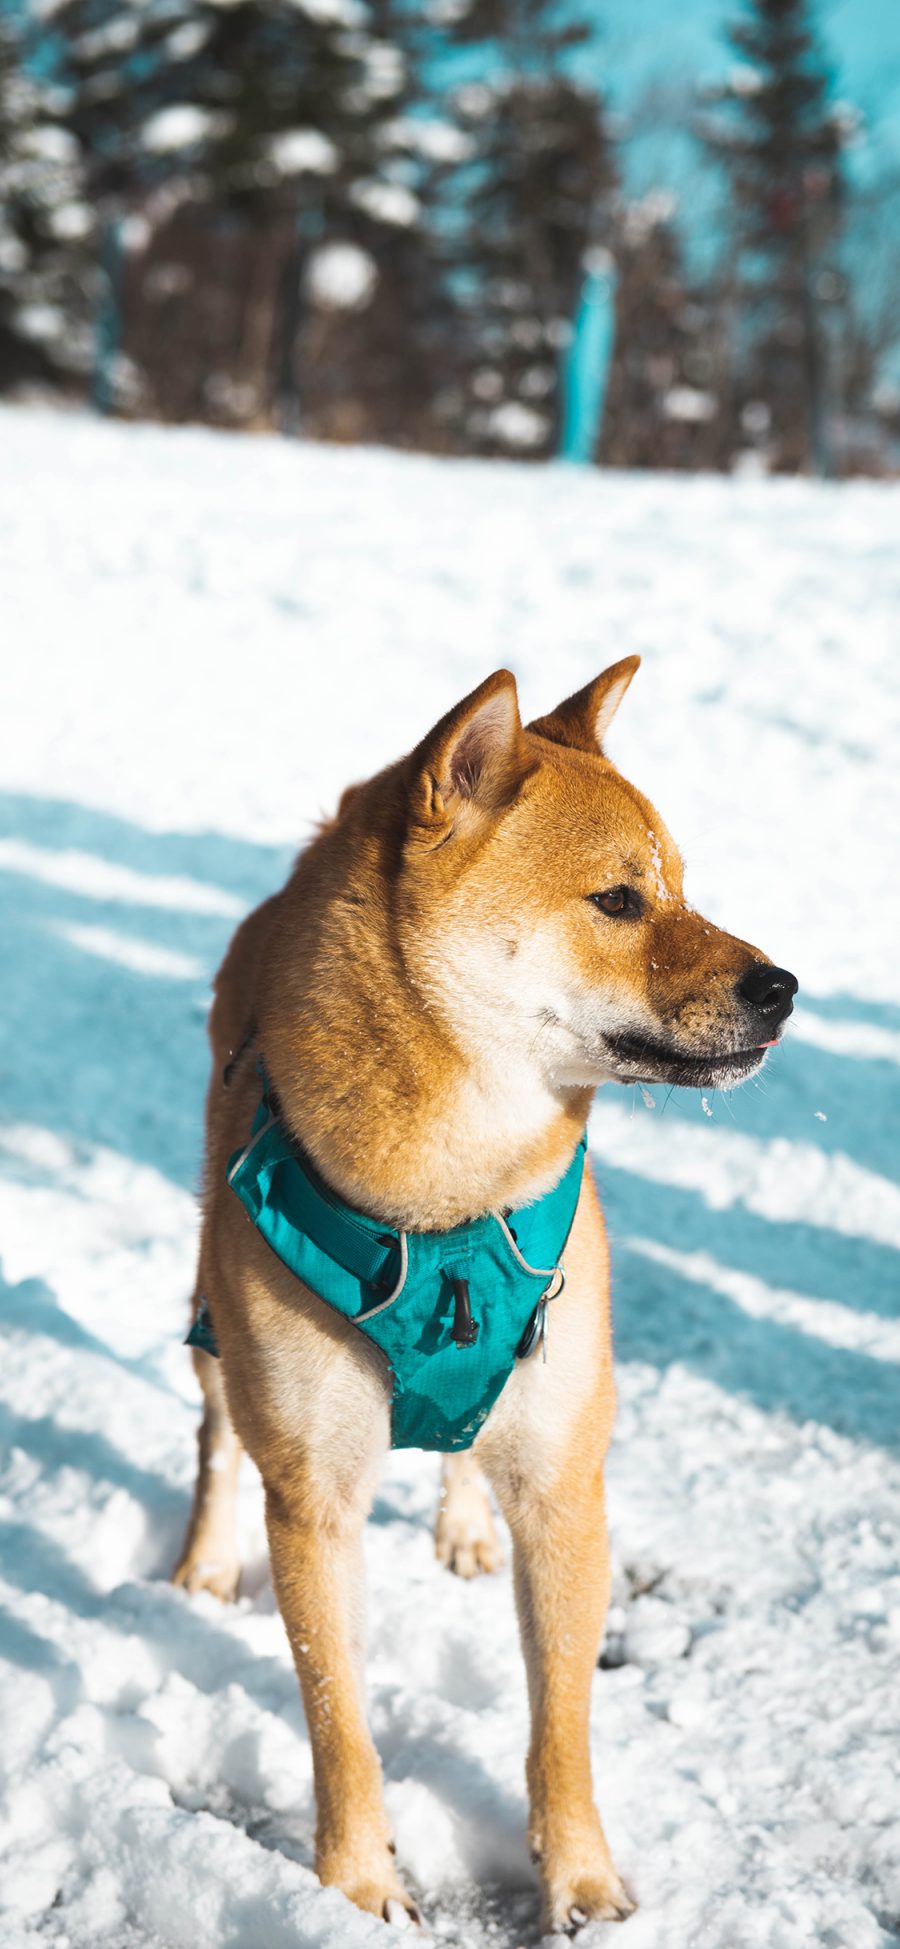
[768, 1045]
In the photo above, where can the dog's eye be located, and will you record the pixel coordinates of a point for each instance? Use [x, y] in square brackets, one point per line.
[621, 902]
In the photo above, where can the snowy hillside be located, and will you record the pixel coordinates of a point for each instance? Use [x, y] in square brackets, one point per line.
[204, 638]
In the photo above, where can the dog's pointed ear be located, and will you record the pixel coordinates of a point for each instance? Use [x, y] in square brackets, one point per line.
[474, 759]
[582, 721]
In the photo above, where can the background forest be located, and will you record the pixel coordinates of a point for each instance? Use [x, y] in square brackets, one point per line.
[407, 222]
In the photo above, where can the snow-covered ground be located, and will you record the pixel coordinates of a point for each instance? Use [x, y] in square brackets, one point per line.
[203, 639]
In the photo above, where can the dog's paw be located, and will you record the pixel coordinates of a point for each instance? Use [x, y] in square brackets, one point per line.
[465, 1540]
[468, 1556]
[376, 1888]
[594, 1895]
[405, 1915]
[219, 1575]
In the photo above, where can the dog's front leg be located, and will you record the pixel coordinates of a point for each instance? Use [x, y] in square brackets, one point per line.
[561, 1568]
[315, 1540]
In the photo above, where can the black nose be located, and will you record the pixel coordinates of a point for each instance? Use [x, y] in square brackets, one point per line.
[769, 990]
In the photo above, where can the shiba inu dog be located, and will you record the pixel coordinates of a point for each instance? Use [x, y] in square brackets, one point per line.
[485, 932]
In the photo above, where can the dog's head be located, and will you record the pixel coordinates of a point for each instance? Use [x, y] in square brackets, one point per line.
[541, 908]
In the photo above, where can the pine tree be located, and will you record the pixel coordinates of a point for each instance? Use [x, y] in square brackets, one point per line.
[662, 407]
[46, 229]
[535, 192]
[380, 366]
[779, 140]
[250, 148]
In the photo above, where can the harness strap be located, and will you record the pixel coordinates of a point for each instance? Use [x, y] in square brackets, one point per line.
[371, 1252]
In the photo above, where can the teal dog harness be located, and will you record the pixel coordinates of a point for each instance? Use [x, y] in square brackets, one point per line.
[452, 1311]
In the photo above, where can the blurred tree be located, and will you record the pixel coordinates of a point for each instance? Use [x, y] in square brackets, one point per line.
[531, 197]
[865, 335]
[664, 407]
[780, 140]
[234, 150]
[381, 344]
[46, 229]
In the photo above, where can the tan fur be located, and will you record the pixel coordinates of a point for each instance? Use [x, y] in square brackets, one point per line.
[436, 997]
[465, 1539]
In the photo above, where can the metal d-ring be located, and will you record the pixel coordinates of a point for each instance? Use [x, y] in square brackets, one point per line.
[536, 1331]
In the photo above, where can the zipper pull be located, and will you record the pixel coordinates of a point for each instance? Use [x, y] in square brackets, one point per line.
[465, 1329]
